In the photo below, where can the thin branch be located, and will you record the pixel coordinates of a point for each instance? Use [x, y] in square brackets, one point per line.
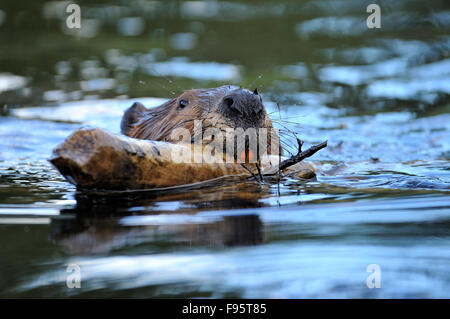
[301, 155]
[259, 172]
[248, 170]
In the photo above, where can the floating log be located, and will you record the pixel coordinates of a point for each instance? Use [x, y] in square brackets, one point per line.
[97, 159]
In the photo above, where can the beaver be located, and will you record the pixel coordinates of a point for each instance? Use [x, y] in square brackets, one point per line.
[221, 108]
[94, 158]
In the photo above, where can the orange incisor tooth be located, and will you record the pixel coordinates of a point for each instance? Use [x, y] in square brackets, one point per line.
[247, 156]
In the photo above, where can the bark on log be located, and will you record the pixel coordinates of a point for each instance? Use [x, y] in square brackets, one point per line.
[97, 159]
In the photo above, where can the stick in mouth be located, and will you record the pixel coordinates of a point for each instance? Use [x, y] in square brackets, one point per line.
[300, 156]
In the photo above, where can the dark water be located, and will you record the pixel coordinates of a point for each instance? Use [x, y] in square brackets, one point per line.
[382, 194]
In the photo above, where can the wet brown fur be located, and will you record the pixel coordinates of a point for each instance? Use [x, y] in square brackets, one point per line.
[203, 104]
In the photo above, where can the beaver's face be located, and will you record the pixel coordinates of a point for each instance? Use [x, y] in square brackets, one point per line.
[223, 107]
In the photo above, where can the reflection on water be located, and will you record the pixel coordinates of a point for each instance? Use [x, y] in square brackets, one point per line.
[250, 253]
[87, 235]
[381, 196]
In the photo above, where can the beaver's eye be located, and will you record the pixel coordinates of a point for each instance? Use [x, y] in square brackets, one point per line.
[182, 104]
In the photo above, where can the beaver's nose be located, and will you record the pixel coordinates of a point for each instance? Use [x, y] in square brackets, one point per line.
[244, 102]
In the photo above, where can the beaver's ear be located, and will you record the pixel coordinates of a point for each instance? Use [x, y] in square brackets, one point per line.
[131, 116]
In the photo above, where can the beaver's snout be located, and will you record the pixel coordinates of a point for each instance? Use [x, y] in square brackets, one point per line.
[242, 103]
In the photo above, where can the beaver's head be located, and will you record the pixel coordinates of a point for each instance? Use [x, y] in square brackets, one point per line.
[223, 107]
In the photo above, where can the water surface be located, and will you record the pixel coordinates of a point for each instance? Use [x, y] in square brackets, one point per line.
[381, 196]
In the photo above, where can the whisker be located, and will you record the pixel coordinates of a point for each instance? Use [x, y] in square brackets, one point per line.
[284, 121]
[287, 117]
[167, 79]
[256, 79]
[163, 87]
